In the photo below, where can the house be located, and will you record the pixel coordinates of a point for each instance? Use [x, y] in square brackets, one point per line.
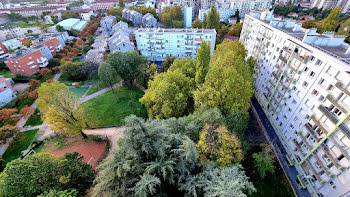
[232, 20]
[7, 92]
[120, 43]
[133, 16]
[3, 51]
[9, 32]
[293, 15]
[120, 25]
[28, 61]
[96, 54]
[12, 44]
[107, 23]
[148, 21]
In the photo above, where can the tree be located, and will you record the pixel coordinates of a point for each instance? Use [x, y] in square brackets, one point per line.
[42, 26]
[226, 181]
[43, 172]
[186, 66]
[67, 15]
[121, 4]
[212, 20]
[216, 143]
[107, 75]
[89, 69]
[237, 16]
[223, 31]
[236, 29]
[54, 19]
[329, 23]
[167, 63]
[44, 72]
[263, 162]
[148, 72]
[5, 115]
[26, 111]
[33, 84]
[308, 24]
[197, 23]
[28, 43]
[177, 24]
[61, 108]
[170, 14]
[202, 61]
[59, 28]
[73, 71]
[127, 65]
[7, 132]
[229, 83]
[117, 12]
[65, 193]
[169, 95]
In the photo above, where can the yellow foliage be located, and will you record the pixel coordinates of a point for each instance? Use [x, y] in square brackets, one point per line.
[218, 144]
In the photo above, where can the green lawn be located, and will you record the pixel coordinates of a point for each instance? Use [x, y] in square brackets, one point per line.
[22, 25]
[78, 91]
[6, 73]
[34, 119]
[91, 91]
[112, 108]
[19, 143]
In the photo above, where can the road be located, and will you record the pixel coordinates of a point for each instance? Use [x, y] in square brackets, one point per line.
[291, 171]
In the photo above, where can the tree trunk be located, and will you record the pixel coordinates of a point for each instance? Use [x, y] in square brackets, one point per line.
[83, 134]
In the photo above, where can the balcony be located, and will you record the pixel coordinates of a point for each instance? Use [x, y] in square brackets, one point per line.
[311, 131]
[283, 59]
[335, 103]
[305, 141]
[326, 150]
[317, 175]
[324, 130]
[329, 114]
[342, 88]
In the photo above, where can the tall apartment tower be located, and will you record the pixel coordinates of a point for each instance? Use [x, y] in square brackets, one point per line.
[207, 4]
[343, 4]
[194, 4]
[303, 85]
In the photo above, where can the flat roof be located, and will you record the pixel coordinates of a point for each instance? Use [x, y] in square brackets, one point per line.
[70, 22]
[80, 25]
[173, 30]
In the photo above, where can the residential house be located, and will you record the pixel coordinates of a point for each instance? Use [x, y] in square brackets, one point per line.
[96, 54]
[148, 21]
[3, 51]
[107, 23]
[7, 92]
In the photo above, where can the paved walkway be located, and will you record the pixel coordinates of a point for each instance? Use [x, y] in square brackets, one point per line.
[90, 86]
[96, 94]
[280, 150]
[113, 134]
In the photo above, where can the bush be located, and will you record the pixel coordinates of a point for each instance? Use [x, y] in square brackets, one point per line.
[7, 132]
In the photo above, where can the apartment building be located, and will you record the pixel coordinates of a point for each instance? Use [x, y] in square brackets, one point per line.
[98, 49]
[148, 21]
[133, 16]
[10, 32]
[303, 84]
[156, 44]
[194, 4]
[54, 41]
[187, 12]
[28, 62]
[103, 5]
[343, 4]
[121, 39]
[107, 23]
[3, 51]
[32, 11]
[7, 92]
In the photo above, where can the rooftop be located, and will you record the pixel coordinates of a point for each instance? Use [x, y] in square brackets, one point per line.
[22, 52]
[69, 22]
[172, 30]
[31, 8]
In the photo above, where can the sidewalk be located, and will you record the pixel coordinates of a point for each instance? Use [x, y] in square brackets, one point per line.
[96, 94]
[280, 150]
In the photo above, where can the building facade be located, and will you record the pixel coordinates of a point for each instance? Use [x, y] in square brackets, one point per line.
[148, 21]
[343, 4]
[28, 62]
[7, 92]
[103, 5]
[3, 51]
[54, 41]
[32, 11]
[156, 44]
[303, 84]
[10, 32]
[107, 23]
[194, 4]
[187, 12]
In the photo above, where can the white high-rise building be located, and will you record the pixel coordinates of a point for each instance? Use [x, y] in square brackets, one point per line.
[187, 12]
[156, 44]
[194, 4]
[303, 84]
[343, 4]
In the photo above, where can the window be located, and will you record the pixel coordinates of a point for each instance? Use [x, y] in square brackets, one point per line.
[318, 62]
[291, 126]
[305, 84]
[306, 69]
[321, 81]
[330, 87]
[314, 92]
[331, 183]
[322, 98]
[312, 74]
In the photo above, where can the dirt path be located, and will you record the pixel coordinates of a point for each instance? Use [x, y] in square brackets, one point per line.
[96, 94]
[113, 134]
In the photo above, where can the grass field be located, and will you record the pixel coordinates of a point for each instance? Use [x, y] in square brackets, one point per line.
[19, 143]
[111, 108]
[34, 119]
[91, 91]
[6, 73]
[22, 25]
[78, 91]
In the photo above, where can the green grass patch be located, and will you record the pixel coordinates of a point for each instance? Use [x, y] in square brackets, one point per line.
[78, 91]
[112, 108]
[34, 119]
[20, 142]
[6, 73]
[22, 25]
[91, 91]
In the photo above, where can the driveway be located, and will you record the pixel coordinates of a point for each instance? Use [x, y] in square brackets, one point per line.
[113, 134]
[280, 150]
[20, 86]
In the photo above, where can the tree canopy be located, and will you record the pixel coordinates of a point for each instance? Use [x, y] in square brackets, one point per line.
[43, 172]
[263, 162]
[229, 82]
[171, 16]
[201, 62]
